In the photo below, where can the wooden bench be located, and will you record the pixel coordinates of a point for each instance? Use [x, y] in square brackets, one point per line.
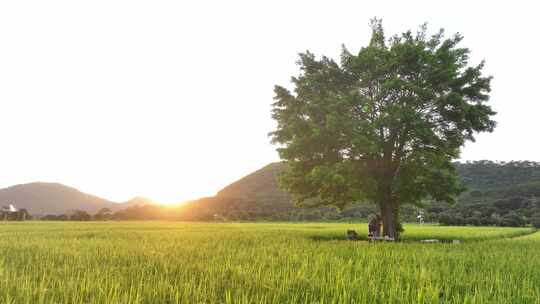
[381, 239]
[354, 236]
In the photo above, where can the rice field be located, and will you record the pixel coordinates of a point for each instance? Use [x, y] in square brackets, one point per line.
[175, 262]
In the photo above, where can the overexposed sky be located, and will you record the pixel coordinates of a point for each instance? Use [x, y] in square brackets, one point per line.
[171, 99]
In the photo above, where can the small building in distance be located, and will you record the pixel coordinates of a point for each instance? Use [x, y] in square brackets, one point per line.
[10, 213]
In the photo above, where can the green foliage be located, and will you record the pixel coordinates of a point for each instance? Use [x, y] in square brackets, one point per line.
[171, 262]
[80, 215]
[103, 214]
[383, 125]
[512, 219]
[535, 220]
[488, 175]
[500, 193]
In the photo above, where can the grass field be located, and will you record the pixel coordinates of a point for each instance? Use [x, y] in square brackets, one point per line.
[169, 262]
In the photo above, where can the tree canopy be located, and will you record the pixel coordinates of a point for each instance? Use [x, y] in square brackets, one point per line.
[383, 125]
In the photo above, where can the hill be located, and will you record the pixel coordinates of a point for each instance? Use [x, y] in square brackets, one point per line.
[506, 194]
[53, 198]
[260, 188]
[137, 201]
[497, 193]
[488, 175]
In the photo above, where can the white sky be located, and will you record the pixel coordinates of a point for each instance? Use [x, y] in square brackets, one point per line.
[171, 99]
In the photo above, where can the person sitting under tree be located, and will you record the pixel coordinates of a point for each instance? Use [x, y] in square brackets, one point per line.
[375, 226]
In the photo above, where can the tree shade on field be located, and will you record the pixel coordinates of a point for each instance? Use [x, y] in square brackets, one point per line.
[383, 125]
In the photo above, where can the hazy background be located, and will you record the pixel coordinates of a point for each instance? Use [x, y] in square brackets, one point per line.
[171, 99]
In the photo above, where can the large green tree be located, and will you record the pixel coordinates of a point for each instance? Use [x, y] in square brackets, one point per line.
[383, 125]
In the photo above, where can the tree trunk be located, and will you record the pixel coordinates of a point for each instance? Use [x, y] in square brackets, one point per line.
[388, 205]
[389, 219]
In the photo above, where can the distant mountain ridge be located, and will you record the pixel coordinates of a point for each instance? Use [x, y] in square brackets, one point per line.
[481, 175]
[42, 198]
[494, 189]
[260, 187]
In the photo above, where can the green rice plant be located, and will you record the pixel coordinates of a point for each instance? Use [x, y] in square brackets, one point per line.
[175, 262]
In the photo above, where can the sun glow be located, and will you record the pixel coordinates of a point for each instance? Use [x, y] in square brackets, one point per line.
[169, 204]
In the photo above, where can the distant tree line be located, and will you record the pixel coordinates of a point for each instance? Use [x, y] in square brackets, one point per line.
[81, 215]
[499, 194]
[503, 213]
